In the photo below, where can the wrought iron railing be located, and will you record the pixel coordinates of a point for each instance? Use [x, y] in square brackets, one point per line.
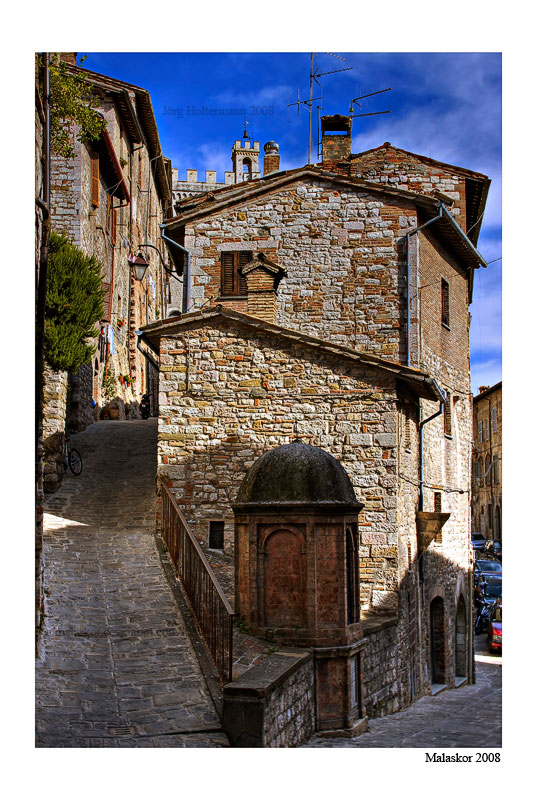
[211, 608]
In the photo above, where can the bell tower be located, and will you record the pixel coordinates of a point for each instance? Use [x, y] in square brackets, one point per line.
[245, 158]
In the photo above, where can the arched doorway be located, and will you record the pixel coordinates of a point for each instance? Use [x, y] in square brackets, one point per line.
[438, 644]
[461, 669]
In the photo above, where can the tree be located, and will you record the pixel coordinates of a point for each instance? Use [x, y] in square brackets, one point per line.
[75, 303]
[70, 101]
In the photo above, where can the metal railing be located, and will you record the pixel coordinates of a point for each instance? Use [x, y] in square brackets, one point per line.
[211, 608]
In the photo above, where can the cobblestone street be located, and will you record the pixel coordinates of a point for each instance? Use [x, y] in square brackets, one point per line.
[116, 667]
[470, 716]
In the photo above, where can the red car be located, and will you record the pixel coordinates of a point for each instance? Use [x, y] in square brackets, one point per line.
[494, 637]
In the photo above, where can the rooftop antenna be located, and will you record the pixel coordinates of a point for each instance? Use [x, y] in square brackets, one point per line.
[371, 113]
[314, 76]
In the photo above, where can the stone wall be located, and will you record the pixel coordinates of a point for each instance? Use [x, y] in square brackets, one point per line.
[272, 704]
[229, 393]
[55, 397]
[343, 251]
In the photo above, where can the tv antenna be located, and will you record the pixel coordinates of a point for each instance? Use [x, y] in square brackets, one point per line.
[371, 113]
[314, 76]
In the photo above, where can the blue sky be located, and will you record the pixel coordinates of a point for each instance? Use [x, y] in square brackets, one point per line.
[443, 105]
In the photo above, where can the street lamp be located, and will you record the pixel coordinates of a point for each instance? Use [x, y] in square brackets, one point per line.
[139, 265]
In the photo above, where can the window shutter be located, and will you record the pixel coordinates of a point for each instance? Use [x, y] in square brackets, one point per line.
[245, 257]
[494, 420]
[480, 430]
[95, 179]
[227, 273]
[486, 430]
[445, 302]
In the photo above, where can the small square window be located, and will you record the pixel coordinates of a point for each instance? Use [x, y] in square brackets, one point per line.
[216, 535]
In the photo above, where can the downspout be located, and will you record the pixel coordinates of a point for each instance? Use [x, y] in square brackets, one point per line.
[139, 337]
[407, 237]
[421, 426]
[186, 273]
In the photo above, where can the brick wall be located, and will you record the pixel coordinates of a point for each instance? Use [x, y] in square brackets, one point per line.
[397, 168]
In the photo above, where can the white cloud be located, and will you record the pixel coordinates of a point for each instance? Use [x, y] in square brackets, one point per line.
[486, 373]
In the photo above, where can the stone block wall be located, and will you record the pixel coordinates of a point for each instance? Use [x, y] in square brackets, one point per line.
[343, 252]
[228, 394]
[54, 405]
[272, 704]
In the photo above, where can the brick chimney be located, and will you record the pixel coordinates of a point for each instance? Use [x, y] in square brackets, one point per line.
[262, 279]
[483, 389]
[272, 158]
[336, 138]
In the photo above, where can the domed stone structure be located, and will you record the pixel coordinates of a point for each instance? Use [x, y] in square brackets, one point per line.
[296, 568]
[297, 474]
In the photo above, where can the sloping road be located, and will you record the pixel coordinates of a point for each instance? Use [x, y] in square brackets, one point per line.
[116, 667]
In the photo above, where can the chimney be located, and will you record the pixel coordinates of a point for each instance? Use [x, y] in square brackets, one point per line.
[336, 138]
[272, 158]
[483, 389]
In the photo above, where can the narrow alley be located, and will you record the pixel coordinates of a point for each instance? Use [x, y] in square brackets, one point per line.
[116, 667]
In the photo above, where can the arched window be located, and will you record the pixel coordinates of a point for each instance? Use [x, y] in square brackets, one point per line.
[247, 169]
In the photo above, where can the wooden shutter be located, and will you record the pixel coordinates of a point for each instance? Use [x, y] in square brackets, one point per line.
[228, 284]
[245, 256]
[233, 283]
[95, 179]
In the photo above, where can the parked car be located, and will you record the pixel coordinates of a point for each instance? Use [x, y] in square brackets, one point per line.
[494, 636]
[491, 586]
[485, 568]
[478, 541]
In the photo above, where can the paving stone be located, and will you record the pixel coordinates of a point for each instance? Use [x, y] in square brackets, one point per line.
[115, 664]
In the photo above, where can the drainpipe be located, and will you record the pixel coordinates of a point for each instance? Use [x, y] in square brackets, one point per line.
[421, 426]
[407, 237]
[186, 273]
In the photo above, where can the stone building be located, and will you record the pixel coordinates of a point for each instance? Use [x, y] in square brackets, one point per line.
[331, 304]
[109, 199]
[487, 462]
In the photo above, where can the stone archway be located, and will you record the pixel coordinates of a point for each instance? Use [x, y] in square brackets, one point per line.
[461, 664]
[438, 641]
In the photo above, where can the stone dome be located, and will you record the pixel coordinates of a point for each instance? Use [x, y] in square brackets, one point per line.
[271, 147]
[297, 474]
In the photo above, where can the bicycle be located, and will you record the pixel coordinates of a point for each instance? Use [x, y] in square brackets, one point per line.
[72, 458]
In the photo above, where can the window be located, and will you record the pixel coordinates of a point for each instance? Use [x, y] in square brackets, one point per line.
[94, 179]
[494, 420]
[216, 535]
[488, 474]
[438, 501]
[447, 415]
[486, 426]
[445, 303]
[496, 469]
[480, 430]
[233, 283]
